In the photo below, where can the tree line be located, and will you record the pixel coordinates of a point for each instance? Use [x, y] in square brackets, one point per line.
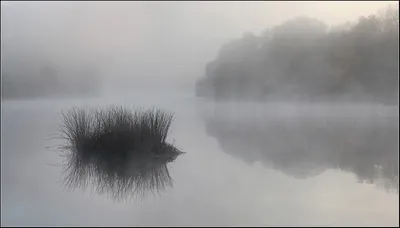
[21, 80]
[305, 58]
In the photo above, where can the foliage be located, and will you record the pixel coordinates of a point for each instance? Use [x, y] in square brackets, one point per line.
[304, 58]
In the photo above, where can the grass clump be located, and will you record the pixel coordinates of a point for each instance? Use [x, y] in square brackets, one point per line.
[121, 151]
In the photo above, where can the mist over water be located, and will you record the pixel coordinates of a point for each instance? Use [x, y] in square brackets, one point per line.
[296, 155]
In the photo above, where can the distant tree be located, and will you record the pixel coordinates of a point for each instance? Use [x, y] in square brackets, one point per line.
[303, 57]
[49, 74]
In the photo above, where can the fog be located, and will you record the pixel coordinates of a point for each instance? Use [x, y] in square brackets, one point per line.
[287, 111]
[130, 44]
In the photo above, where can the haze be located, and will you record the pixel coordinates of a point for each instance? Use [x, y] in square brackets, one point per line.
[149, 42]
[287, 111]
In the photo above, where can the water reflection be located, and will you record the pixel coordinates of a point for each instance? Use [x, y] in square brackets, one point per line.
[122, 180]
[303, 147]
[122, 154]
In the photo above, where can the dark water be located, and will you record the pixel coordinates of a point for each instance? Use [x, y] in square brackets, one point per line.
[246, 164]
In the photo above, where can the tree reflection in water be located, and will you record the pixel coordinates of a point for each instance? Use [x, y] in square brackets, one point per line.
[307, 146]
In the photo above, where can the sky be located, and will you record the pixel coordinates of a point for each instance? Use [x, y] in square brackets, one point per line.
[153, 41]
[137, 44]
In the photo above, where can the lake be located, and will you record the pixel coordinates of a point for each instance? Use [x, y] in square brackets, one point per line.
[273, 164]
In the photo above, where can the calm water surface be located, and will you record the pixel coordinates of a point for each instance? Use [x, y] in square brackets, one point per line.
[246, 164]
